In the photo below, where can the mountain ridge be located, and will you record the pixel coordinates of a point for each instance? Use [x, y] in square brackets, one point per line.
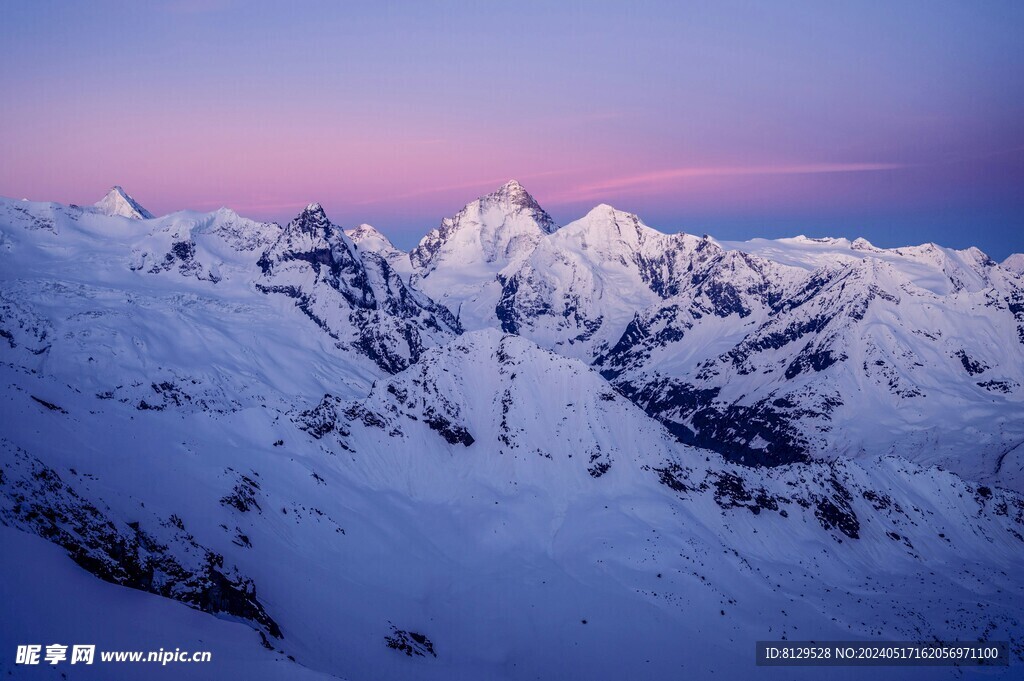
[690, 327]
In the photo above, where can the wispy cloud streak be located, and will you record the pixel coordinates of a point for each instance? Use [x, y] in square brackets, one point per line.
[658, 179]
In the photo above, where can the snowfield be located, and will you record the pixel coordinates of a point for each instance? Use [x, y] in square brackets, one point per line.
[519, 452]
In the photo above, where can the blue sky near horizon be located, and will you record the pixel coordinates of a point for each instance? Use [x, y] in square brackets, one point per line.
[900, 122]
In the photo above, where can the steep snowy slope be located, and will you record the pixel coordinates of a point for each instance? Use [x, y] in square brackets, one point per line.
[458, 262]
[497, 512]
[40, 582]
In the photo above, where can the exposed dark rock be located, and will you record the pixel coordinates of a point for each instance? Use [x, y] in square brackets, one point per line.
[452, 432]
[49, 405]
[33, 498]
[409, 642]
[696, 418]
[835, 511]
[355, 298]
[971, 366]
[243, 495]
[321, 419]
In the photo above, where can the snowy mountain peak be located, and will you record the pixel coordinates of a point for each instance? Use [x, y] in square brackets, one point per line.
[309, 237]
[368, 237]
[513, 197]
[312, 220]
[835, 242]
[977, 257]
[118, 202]
[603, 209]
[604, 215]
[607, 225]
[313, 209]
[487, 234]
[460, 262]
[1014, 263]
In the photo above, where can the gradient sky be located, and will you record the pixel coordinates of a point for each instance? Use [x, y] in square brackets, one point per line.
[902, 122]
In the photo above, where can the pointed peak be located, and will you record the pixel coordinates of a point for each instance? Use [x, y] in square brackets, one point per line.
[511, 192]
[118, 202]
[512, 197]
[493, 230]
[510, 189]
[365, 235]
[313, 210]
[226, 212]
[603, 211]
[312, 220]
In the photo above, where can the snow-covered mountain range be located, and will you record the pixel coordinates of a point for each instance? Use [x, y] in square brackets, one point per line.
[518, 451]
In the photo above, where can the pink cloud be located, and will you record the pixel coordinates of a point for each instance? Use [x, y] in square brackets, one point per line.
[652, 181]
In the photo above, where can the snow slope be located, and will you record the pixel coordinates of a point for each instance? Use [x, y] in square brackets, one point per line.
[40, 582]
[438, 506]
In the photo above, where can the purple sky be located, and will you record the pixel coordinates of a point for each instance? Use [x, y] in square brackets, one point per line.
[901, 122]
